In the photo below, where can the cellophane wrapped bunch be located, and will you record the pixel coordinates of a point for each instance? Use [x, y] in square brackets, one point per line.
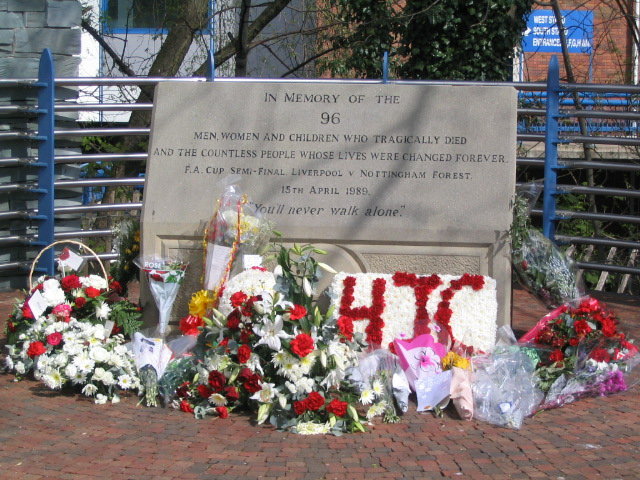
[274, 352]
[373, 381]
[236, 232]
[67, 343]
[126, 241]
[541, 267]
[587, 355]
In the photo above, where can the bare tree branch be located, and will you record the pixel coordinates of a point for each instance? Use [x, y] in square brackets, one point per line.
[124, 68]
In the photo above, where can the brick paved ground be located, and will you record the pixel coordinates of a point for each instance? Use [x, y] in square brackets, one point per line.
[50, 435]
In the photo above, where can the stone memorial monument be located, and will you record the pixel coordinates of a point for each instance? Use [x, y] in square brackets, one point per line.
[386, 178]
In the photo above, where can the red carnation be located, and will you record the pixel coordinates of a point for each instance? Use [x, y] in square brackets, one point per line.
[582, 327]
[556, 356]
[92, 292]
[297, 312]
[302, 345]
[54, 339]
[183, 390]
[446, 294]
[244, 353]
[600, 355]
[245, 335]
[345, 324]
[252, 385]
[231, 393]
[250, 380]
[337, 407]
[247, 308]
[70, 282]
[443, 314]
[115, 286]
[300, 407]
[217, 380]
[233, 320]
[477, 282]
[245, 374]
[315, 401]
[35, 349]
[185, 406]
[222, 412]
[26, 311]
[238, 298]
[81, 302]
[204, 391]
[608, 327]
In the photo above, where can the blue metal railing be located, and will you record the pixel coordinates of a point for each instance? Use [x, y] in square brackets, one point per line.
[46, 106]
[553, 120]
[555, 136]
[551, 150]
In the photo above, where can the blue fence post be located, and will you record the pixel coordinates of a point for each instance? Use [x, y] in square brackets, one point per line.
[385, 67]
[46, 99]
[551, 149]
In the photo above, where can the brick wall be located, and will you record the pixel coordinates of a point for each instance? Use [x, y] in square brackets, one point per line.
[611, 60]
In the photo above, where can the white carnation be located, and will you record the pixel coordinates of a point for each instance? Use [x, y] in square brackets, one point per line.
[108, 379]
[99, 354]
[20, 368]
[53, 295]
[101, 399]
[102, 311]
[89, 389]
[60, 360]
[70, 370]
[98, 374]
[94, 281]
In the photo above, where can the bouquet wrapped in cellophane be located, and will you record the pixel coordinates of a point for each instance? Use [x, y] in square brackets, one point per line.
[588, 355]
[234, 239]
[541, 267]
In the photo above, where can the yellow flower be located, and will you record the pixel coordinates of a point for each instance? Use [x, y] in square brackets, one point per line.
[452, 359]
[200, 303]
[461, 362]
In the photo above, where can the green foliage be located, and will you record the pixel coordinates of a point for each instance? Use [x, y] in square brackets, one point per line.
[127, 316]
[462, 40]
[127, 244]
[363, 31]
[448, 39]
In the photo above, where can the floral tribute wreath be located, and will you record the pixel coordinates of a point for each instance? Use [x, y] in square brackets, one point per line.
[384, 307]
[70, 330]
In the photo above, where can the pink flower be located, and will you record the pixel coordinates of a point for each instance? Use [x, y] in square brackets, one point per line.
[54, 339]
[63, 312]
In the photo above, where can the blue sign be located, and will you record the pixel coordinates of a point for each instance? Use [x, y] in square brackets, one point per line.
[543, 34]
